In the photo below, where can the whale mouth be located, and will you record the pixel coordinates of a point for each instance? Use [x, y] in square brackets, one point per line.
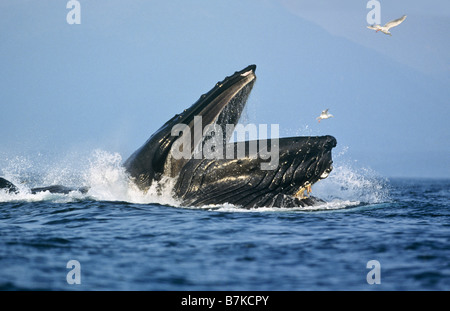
[296, 163]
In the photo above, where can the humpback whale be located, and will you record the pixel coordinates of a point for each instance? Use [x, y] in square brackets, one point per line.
[245, 179]
[302, 161]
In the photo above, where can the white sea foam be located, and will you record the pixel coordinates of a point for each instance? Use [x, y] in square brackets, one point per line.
[108, 181]
[102, 173]
[333, 205]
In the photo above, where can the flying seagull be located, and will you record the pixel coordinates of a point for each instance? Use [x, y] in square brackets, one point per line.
[324, 115]
[387, 26]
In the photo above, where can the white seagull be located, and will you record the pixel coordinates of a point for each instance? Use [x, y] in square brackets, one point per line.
[387, 26]
[324, 115]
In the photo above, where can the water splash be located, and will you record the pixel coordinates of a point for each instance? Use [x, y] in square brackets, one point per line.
[108, 181]
[348, 183]
[17, 169]
[100, 171]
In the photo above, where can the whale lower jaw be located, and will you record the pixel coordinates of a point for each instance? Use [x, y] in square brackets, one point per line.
[303, 161]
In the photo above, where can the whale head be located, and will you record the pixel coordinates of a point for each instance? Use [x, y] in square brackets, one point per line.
[230, 176]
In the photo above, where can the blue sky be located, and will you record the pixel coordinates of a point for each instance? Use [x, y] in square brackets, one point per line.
[113, 80]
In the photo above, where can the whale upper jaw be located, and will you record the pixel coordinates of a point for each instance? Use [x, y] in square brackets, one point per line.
[223, 104]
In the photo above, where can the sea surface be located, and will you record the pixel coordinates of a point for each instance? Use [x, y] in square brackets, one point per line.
[126, 240]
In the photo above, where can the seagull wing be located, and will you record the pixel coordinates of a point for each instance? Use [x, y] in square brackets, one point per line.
[325, 111]
[395, 22]
[374, 27]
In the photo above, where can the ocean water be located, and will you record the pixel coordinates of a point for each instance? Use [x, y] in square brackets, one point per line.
[127, 240]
